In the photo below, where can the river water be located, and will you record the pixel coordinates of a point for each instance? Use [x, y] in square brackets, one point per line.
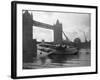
[82, 58]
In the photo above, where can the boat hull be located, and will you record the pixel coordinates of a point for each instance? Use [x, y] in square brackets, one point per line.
[67, 51]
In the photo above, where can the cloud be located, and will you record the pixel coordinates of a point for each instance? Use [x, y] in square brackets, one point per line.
[71, 22]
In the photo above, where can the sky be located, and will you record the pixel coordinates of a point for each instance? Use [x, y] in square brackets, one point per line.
[74, 24]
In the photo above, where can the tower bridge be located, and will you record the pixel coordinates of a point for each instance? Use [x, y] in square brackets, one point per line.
[29, 45]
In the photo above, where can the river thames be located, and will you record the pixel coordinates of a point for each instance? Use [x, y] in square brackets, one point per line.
[82, 58]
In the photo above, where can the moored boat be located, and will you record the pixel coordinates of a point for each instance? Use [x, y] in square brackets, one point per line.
[47, 49]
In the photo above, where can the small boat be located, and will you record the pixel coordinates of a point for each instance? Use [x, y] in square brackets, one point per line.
[44, 50]
[47, 49]
[65, 50]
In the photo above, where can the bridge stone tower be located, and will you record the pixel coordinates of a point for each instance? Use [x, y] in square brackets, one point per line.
[58, 32]
[29, 44]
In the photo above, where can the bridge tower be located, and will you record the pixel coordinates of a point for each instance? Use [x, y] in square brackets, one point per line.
[28, 43]
[58, 32]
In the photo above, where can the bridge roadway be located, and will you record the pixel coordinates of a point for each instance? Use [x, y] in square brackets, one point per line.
[43, 25]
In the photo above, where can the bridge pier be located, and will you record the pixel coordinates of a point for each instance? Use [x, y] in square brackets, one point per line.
[29, 46]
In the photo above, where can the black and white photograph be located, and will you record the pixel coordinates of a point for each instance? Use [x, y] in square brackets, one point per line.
[53, 39]
[56, 39]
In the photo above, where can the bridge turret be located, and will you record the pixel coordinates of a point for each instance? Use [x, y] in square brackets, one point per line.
[58, 32]
[57, 22]
[27, 18]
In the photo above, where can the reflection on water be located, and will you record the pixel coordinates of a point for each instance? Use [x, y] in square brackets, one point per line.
[82, 58]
